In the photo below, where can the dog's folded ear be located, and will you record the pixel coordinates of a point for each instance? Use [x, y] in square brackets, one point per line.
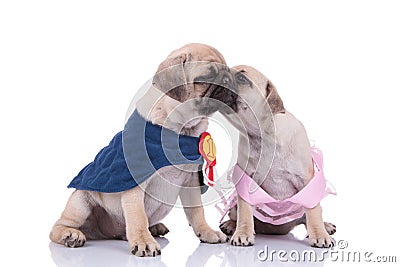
[273, 99]
[171, 78]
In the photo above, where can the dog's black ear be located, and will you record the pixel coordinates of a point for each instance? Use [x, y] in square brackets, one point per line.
[273, 99]
[170, 77]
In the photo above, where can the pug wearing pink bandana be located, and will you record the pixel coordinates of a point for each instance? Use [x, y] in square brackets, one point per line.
[278, 177]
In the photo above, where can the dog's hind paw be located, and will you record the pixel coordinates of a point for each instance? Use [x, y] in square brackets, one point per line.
[330, 228]
[228, 227]
[158, 229]
[208, 235]
[73, 238]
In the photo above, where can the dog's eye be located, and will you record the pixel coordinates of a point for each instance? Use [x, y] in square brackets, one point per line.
[242, 79]
[213, 71]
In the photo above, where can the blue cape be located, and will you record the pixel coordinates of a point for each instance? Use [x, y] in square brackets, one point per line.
[134, 154]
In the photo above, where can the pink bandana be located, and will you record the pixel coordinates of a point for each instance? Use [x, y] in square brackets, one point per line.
[273, 211]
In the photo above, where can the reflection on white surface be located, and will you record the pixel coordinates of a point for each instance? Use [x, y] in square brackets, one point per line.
[116, 253]
[102, 253]
[227, 255]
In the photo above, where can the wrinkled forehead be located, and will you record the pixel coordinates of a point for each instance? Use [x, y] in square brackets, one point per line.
[205, 66]
[210, 55]
[256, 78]
[200, 52]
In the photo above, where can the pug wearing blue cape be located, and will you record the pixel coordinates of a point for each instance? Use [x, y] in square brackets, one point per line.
[134, 182]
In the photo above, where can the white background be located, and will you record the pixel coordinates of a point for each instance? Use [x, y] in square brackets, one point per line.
[68, 71]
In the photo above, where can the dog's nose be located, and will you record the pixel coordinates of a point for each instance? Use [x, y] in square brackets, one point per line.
[227, 91]
[226, 80]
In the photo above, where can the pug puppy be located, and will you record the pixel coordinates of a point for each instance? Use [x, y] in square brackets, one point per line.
[275, 152]
[190, 84]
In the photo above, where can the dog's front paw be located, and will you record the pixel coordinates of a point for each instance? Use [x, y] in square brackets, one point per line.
[228, 227]
[320, 239]
[73, 238]
[208, 235]
[243, 238]
[144, 245]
